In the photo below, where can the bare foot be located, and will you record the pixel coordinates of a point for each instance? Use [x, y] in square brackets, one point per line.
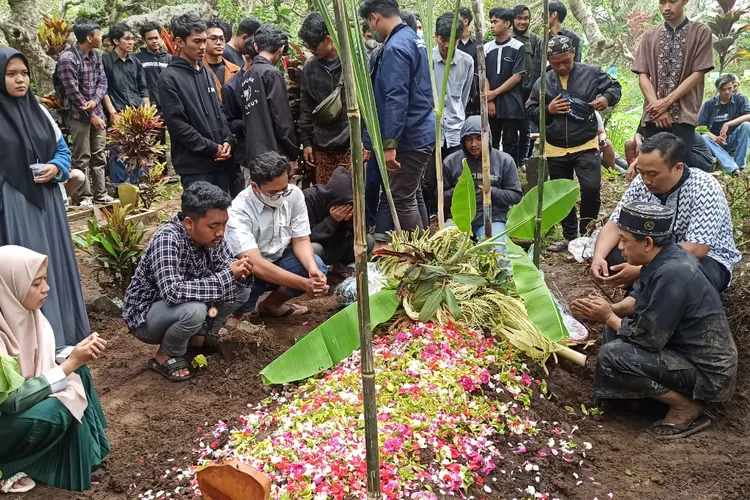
[682, 411]
[161, 357]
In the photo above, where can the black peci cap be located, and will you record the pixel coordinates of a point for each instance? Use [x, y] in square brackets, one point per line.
[646, 219]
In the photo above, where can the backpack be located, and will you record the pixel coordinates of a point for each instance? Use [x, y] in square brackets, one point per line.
[57, 82]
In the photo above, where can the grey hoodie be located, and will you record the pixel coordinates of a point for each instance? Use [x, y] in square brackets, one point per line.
[506, 188]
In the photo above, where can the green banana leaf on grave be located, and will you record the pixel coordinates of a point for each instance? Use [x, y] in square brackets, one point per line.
[330, 343]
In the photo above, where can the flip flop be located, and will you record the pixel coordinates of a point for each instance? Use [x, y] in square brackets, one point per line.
[170, 366]
[8, 484]
[696, 425]
[293, 310]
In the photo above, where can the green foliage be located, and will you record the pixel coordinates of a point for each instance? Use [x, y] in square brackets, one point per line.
[737, 191]
[464, 202]
[727, 27]
[560, 196]
[152, 185]
[115, 246]
[199, 362]
[328, 344]
[536, 296]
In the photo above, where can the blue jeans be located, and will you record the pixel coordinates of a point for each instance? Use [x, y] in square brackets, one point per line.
[288, 262]
[118, 174]
[497, 228]
[738, 141]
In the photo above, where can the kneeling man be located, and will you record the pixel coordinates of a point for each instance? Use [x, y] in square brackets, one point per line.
[187, 282]
[702, 223]
[268, 225]
[676, 347]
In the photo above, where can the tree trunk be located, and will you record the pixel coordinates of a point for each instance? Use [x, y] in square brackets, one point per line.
[597, 43]
[21, 30]
[164, 15]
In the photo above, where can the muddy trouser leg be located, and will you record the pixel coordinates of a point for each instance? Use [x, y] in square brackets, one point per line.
[562, 168]
[629, 371]
[172, 327]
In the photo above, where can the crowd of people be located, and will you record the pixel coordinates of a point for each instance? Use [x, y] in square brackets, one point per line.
[245, 229]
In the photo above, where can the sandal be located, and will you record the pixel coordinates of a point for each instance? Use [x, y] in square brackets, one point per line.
[170, 366]
[558, 247]
[294, 310]
[683, 430]
[8, 484]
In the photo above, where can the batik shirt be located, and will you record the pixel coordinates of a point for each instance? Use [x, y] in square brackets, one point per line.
[175, 270]
[701, 213]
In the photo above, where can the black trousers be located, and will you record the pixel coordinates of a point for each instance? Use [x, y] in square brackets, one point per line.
[507, 131]
[587, 167]
[626, 370]
[717, 274]
[429, 180]
[684, 131]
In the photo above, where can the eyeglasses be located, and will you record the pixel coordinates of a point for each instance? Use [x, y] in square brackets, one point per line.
[311, 47]
[217, 39]
[277, 196]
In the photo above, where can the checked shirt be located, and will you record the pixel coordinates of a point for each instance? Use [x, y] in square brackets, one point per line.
[701, 213]
[175, 270]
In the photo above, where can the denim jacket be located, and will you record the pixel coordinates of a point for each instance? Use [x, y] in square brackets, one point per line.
[739, 106]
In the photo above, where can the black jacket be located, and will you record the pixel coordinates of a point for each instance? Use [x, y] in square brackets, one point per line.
[232, 105]
[153, 65]
[585, 82]
[194, 118]
[318, 82]
[267, 112]
[320, 198]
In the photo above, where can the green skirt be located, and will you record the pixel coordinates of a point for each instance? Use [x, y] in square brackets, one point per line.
[50, 446]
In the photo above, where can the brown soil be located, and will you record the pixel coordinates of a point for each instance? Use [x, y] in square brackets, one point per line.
[155, 425]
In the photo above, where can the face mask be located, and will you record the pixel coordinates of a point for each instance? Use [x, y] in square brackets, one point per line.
[267, 201]
[419, 33]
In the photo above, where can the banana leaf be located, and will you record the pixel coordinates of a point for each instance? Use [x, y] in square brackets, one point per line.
[536, 296]
[328, 344]
[560, 197]
[464, 202]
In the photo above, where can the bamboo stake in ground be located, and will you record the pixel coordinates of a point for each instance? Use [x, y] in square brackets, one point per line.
[478, 8]
[542, 168]
[369, 395]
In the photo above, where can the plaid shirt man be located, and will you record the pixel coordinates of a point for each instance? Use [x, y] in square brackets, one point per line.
[84, 80]
[175, 270]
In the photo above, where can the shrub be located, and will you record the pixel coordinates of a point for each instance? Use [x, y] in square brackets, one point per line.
[136, 132]
[53, 34]
[115, 247]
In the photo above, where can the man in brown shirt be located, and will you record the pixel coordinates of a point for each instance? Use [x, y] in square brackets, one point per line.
[672, 61]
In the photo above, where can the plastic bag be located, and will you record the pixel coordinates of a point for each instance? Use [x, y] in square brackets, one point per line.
[582, 248]
[346, 292]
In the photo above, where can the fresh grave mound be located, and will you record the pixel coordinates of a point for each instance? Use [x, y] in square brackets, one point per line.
[455, 416]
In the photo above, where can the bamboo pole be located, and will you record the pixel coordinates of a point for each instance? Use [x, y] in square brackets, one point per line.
[369, 394]
[542, 170]
[478, 8]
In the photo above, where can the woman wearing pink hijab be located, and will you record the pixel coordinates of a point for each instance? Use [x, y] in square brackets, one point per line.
[51, 423]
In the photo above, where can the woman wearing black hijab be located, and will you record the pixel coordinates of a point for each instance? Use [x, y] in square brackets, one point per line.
[32, 212]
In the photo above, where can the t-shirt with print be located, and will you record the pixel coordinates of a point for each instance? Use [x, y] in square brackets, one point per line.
[252, 224]
[508, 58]
[701, 213]
[722, 116]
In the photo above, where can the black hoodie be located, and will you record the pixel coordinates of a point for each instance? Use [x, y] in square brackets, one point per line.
[194, 118]
[320, 198]
[153, 65]
[268, 118]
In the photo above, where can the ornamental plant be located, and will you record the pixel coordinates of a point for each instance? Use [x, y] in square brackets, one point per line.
[53, 34]
[115, 246]
[727, 28]
[136, 133]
